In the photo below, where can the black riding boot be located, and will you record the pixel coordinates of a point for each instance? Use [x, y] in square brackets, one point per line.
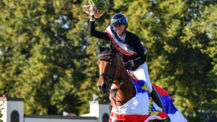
[157, 99]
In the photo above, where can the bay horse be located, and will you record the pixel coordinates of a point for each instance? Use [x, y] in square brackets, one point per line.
[114, 78]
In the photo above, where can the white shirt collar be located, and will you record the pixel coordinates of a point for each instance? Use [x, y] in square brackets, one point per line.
[123, 37]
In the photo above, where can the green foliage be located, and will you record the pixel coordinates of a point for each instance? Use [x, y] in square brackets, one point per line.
[1, 115]
[48, 57]
[41, 50]
[180, 39]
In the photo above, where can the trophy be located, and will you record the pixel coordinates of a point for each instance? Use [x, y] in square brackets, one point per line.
[94, 7]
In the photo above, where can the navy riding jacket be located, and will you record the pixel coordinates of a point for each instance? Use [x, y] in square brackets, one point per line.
[131, 39]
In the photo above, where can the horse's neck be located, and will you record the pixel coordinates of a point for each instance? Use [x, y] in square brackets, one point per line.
[127, 89]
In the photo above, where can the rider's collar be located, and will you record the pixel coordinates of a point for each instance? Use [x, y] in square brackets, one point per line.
[123, 36]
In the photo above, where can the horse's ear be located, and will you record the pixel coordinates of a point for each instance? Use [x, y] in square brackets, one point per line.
[101, 49]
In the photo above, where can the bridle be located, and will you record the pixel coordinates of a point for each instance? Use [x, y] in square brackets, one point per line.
[112, 80]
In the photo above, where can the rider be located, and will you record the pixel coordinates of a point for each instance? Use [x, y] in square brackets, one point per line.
[130, 47]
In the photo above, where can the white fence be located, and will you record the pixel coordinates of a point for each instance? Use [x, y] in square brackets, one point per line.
[57, 118]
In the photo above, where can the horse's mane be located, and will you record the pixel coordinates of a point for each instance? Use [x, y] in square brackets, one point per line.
[106, 53]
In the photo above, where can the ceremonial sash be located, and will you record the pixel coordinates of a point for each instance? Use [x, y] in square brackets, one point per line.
[120, 44]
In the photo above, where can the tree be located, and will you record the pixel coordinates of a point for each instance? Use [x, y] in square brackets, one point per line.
[41, 49]
[47, 57]
[179, 45]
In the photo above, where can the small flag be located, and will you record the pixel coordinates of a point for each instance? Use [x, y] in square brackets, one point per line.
[94, 97]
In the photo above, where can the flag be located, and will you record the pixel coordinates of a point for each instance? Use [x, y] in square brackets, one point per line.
[142, 108]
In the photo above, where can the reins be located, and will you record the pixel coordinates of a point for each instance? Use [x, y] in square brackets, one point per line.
[111, 78]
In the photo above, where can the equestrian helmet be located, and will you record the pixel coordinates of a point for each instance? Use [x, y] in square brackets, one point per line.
[119, 19]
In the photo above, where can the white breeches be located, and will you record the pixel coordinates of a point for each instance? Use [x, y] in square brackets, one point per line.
[141, 73]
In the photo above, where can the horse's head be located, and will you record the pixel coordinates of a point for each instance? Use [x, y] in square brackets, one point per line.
[109, 70]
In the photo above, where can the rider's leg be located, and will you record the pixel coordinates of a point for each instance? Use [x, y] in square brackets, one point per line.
[141, 73]
[157, 99]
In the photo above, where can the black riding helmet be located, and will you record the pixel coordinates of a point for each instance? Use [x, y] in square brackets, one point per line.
[119, 19]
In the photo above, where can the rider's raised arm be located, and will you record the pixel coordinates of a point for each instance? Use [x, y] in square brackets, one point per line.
[94, 32]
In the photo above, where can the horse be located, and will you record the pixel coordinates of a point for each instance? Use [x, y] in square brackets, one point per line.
[113, 77]
[112, 71]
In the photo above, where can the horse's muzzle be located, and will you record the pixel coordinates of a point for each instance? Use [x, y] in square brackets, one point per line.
[103, 88]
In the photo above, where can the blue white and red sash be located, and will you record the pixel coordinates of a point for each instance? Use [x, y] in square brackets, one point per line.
[120, 44]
